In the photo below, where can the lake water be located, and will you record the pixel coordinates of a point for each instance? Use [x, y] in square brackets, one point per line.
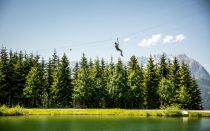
[102, 123]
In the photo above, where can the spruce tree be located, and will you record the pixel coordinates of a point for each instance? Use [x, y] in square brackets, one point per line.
[54, 88]
[195, 103]
[135, 82]
[66, 87]
[43, 87]
[28, 62]
[93, 100]
[103, 82]
[62, 85]
[109, 72]
[54, 65]
[32, 87]
[10, 79]
[49, 75]
[19, 79]
[184, 98]
[185, 87]
[118, 86]
[4, 85]
[81, 92]
[151, 86]
[174, 77]
[55, 60]
[188, 91]
[97, 83]
[75, 71]
[17, 75]
[166, 92]
[163, 70]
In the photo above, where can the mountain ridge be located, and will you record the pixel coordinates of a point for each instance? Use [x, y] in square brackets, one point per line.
[197, 70]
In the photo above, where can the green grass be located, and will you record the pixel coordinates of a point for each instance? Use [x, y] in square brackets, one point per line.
[173, 110]
[93, 112]
[168, 111]
[199, 114]
[6, 111]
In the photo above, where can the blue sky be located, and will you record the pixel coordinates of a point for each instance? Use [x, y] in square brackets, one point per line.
[92, 26]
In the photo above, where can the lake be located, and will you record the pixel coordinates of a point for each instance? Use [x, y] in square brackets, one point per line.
[102, 123]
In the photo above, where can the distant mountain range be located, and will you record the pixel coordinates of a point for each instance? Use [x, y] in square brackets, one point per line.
[197, 70]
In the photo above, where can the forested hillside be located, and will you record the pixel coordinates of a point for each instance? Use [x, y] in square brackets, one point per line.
[196, 69]
[30, 81]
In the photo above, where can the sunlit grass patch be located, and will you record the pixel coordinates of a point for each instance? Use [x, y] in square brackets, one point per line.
[127, 112]
[199, 114]
[17, 110]
[173, 110]
[166, 111]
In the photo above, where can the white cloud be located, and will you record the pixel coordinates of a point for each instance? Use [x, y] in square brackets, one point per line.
[127, 39]
[179, 38]
[168, 39]
[151, 41]
[173, 39]
[157, 38]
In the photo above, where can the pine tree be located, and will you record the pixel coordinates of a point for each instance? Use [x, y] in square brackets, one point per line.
[55, 60]
[185, 87]
[174, 77]
[43, 87]
[32, 88]
[124, 99]
[163, 70]
[81, 92]
[195, 96]
[4, 85]
[135, 82]
[75, 71]
[166, 92]
[11, 82]
[49, 81]
[29, 61]
[62, 85]
[54, 71]
[35, 86]
[118, 86]
[184, 97]
[93, 89]
[189, 93]
[19, 78]
[65, 92]
[97, 83]
[109, 97]
[151, 86]
[49, 76]
[103, 83]
[54, 88]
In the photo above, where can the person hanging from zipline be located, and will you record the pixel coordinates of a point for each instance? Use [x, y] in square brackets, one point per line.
[117, 47]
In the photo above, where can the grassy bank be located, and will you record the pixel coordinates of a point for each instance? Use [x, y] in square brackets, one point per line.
[199, 114]
[94, 112]
[6, 111]
[166, 112]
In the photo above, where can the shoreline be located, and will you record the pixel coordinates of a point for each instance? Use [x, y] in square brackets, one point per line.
[121, 112]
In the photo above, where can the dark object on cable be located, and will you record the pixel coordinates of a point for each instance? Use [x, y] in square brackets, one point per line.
[117, 47]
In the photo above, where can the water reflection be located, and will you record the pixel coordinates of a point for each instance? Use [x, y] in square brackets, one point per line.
[101, 123]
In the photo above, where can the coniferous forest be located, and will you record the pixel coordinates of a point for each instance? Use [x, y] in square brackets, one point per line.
[31, 81]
